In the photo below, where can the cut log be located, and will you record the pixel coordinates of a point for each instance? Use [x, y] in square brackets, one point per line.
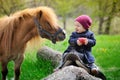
[66, 73]
[49, 54]
[71, 73]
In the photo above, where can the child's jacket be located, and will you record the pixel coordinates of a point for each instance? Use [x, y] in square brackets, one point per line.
[84, 49]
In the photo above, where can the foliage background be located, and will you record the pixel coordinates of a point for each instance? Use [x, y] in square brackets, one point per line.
[106, 20]
[105, 13]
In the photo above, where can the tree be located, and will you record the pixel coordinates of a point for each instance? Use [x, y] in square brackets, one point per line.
[63, 8]
[105, 10]
[111, 14]
[9, 6]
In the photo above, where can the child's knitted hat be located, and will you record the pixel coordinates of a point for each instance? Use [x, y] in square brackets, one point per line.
[84, 20]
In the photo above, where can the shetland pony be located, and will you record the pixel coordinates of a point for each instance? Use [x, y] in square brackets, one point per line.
[19, 28]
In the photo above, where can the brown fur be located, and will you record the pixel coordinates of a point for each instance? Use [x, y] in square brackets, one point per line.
[19, 28]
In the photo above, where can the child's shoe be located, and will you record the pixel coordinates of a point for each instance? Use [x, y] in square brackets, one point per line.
[94, 69]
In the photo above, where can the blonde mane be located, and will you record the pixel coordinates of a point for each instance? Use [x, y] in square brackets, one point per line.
[28, 13]
[48, 13]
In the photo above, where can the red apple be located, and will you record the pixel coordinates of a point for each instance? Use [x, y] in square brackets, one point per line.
[82, 40]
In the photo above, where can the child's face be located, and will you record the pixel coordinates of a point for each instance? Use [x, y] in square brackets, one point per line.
[79, 28]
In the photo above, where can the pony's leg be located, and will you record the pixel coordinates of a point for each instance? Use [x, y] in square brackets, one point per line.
[4, 70]
[18, 62]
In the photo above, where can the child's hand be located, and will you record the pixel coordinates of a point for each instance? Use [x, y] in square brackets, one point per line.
[83, 41]
[79, 43]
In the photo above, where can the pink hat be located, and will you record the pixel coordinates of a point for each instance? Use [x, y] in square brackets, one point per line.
[84, 20]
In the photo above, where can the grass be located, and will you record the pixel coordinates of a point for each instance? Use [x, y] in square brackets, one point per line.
[32, 68]
[106, 52]
[107, 55]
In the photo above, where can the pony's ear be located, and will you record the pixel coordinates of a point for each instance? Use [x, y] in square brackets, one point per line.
[40, 14]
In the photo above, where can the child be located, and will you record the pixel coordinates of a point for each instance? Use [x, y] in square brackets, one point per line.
[82, 40]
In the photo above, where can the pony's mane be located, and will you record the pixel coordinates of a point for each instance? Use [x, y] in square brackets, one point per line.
[47, 14]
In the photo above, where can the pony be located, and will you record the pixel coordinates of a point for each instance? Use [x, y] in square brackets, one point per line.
[21, 27]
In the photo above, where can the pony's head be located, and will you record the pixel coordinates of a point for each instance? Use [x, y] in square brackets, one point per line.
[46, 22]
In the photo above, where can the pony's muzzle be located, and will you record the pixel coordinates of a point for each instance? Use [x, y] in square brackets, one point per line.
[59, 37]
[62, 35]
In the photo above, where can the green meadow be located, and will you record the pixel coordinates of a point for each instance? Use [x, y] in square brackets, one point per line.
[106, 53]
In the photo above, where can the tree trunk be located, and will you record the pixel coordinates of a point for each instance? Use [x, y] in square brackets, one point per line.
[101, 18]
[64, 23]
[71, 73]
[34, 3]
[108, 24]
[101, 21]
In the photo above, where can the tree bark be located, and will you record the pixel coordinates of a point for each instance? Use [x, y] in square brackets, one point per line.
[101, 21]
[71, 73]
[108, 24]
[64, 23]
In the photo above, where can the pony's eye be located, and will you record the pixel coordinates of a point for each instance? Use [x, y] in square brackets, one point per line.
[48, 25]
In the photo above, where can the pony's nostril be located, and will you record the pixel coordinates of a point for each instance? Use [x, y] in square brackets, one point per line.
[62, 37]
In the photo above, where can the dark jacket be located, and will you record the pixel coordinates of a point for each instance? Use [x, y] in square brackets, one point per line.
[84, 49]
